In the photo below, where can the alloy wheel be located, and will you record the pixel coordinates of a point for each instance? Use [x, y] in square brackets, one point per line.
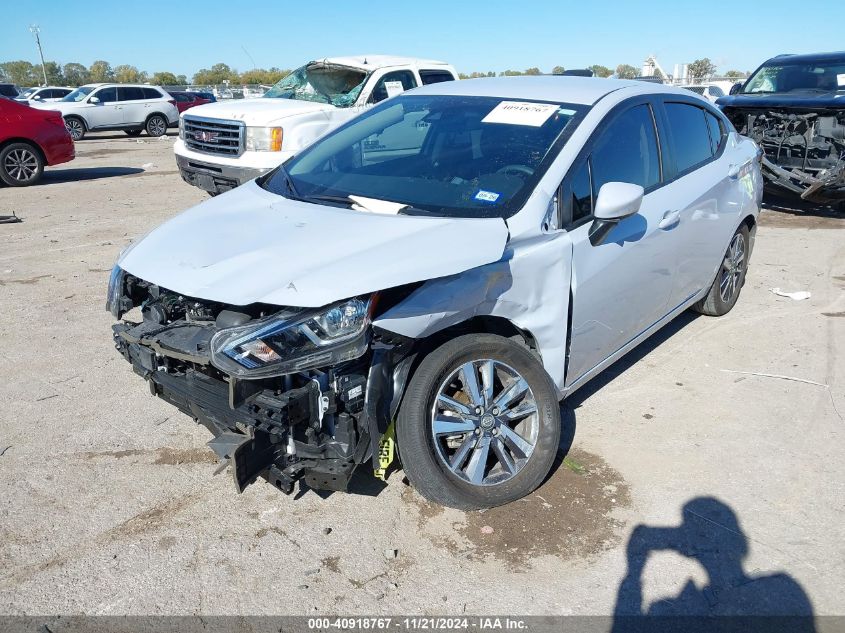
[21, 164]
[484, 422]
[732, 268]
[156, 126]
[75, 128]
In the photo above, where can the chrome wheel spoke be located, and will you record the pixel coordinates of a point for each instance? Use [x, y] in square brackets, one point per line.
[460, 455]
[487, 374]
[517, 389]
[501, 451]
[515, 441]
[469, 378]
[478, 461]
[447, 425]
[523, 409]
[454, 405]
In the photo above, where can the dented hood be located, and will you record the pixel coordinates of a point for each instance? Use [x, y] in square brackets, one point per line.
[260, 110]
[250, 245]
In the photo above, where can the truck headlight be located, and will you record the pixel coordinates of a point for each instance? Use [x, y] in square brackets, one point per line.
[293, 341]
[181, 129]
[264, 139]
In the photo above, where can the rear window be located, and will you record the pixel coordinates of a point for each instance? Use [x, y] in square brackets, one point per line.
[690, 135]
[151, 93]
[435, 76]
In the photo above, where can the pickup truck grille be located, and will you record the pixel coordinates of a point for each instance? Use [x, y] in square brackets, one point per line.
[213, 136]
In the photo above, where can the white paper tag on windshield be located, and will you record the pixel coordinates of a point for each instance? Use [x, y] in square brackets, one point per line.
[393, 88]
[840, 80]
[521, 113]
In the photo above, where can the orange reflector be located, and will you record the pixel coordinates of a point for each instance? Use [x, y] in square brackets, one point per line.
[276, 139]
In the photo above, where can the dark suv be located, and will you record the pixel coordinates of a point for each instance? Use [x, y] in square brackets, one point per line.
[793, 106]
[8, 90]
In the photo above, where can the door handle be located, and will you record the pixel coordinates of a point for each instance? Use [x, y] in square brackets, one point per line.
[670, 219]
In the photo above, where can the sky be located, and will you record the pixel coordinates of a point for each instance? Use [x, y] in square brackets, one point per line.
[182, 36]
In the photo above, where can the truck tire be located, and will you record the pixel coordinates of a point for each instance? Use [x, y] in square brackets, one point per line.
[725, 290]
[479, 424]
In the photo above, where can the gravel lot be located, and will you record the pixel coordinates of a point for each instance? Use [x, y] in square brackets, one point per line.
[108, 504]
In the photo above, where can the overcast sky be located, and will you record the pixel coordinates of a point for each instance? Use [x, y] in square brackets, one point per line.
[183, 36]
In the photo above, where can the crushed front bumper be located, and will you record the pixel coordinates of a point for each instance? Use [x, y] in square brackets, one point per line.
[259, 429]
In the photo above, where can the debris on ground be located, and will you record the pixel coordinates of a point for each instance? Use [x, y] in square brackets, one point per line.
[4, 449]
[327, 530]
[10, 219]
[798, 295]
[391, 553]
[148, 165]
[779, 376]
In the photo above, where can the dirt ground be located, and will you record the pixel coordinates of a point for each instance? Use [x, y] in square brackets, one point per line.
[108, 504]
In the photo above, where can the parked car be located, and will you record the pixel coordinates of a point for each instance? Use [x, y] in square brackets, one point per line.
[9, 90]
[457, 259]
[793, 106]
[204, 94]
[225, 144]
[708, 91]
[29, 140]
[131, 108]
[44, 94]
[186, 100]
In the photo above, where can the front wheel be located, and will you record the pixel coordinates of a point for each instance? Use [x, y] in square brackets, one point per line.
[479, 425]
[75, 127]
[156, 125]
[20, 165]
[725, 290]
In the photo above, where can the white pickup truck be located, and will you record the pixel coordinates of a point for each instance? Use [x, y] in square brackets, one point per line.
[222, 145]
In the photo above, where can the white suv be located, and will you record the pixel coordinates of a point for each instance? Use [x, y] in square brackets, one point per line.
[131, 108]
[44, 94]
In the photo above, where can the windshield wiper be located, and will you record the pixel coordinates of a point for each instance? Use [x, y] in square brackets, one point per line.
[363, 203]
[289, 183]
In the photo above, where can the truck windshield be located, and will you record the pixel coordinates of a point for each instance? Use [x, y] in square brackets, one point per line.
[321, 82]
[441, 155]
[781, 76]
[79, 94]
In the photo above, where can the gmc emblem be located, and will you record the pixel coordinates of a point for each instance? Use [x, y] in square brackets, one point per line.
[205, 137]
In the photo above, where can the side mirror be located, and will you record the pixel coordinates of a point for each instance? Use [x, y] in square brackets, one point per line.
[736, 88]
[616, 201]
[37, 98]
[94, 100]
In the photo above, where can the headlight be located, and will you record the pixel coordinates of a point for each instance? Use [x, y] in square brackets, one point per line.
[289, 342]
[264, 139]
[181, 129]
[114, 303]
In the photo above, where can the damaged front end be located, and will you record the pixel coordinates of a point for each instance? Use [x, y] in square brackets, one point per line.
[287, 393]
[803, 149]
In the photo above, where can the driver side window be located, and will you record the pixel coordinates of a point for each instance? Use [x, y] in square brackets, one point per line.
[106, 95]
[392, 84]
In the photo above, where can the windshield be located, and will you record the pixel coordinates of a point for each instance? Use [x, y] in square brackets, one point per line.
[785, 77]
[321, 82]
[27, 93]
[439, 155]
[79, 94]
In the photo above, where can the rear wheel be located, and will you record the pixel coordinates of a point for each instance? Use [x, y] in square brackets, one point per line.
[479, 425]
[21, 164]
[156, 125]
[76, 127]
[729, 280]
[133, 132]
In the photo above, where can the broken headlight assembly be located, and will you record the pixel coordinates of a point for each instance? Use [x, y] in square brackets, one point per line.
[291, 342]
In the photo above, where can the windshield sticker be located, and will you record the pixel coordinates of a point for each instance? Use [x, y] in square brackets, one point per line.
[840, 80]
[521, 113]
[566, 112]
[487, 196]
[393, 88]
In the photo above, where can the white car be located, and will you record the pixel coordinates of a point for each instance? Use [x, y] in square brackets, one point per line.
[225, 144]
[44, 94]
[127, 107]
[454, 262]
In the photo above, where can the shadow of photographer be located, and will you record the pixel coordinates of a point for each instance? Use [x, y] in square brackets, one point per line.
[731, 600]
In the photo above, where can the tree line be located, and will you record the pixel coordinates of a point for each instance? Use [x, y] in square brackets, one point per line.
[24, 73]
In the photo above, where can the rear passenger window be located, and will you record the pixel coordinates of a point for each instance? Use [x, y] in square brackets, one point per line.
[151, 93]
[130, 93]
[435, 76]
[716, 132]
[627, 151]
[690, 135]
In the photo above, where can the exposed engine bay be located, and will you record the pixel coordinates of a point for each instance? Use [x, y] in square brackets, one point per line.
[804, 151]
[311, 424]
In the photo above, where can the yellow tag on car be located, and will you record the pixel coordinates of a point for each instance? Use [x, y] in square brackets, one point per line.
[385, 452]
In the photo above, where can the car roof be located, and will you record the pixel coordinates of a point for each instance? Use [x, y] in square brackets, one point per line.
[100, 85]
[371, 62]
[809, 57]
[557, 88]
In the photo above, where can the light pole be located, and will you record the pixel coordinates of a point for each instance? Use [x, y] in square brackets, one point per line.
[35, 31]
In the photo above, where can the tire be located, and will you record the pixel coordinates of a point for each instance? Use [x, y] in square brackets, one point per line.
[156, 125]
[478, 442]
[133, 133]
[21, 164]
[76, 127]
[728, 283]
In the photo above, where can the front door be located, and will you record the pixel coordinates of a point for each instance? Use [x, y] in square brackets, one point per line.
[621, 286]
[108, 112]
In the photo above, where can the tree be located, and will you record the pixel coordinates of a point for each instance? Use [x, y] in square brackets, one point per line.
[181, 80]
[100, 71]
[510, 73]
[126, 74]
[22, 73]
[700, 70]
[217, 74]
[75, 74]
[532, 71]
[54, 74]
[164, 78]
[600, 71]
[626, 71]
[264, 77]
[735, 74]
[558, 70]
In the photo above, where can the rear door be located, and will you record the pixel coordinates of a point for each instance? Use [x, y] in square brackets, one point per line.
[133, 103]
[622, 286]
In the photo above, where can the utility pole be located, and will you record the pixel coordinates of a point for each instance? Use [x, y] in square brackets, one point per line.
[35, 31]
